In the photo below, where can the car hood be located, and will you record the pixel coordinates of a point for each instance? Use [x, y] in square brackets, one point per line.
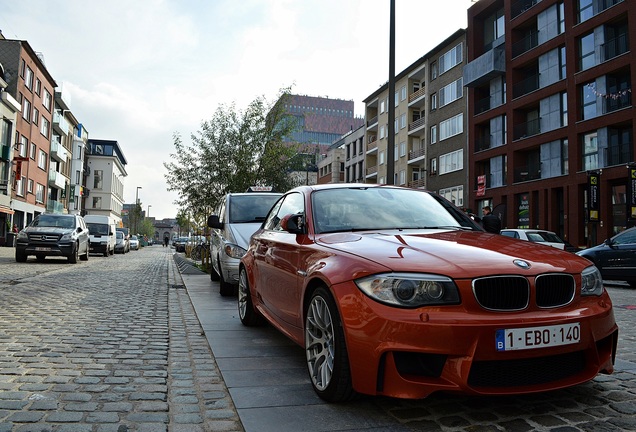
[453, 253]
[48, 230]
[241, 233]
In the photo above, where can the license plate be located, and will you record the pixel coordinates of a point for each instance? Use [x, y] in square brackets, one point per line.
[537, 337]
[42, 249]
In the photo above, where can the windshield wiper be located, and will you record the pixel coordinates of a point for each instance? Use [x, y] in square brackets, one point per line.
[455, 227]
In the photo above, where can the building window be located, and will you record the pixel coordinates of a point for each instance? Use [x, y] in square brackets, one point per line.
[403, 121]
[620, 146]
[46, 100]
[26, 109]
[403, 148]
[24, 146]
[454, 194]
[451, 127]
[381, 158]
[433, 71]
[433, 134]
[382, 132]
[433, 101]
[554, 158]
[403, 93]
[39, 193]
[38, 86]
[97, 202]
[586, 52]
[494, 29]
[588, 100]
[30, 186]
[586, 10]
[42, 160]
[36, 116]
[453, 161]
[28, 78]
[78, 177]
[98, 179]
[451, 92]
[433, 170]
[450, 59]
[590, 151]
[19, 187]
[402, 177]
[32, 151]
[45, 127]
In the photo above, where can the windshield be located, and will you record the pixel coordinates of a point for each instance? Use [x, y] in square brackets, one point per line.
[251, 208]
[380, 208]
[97, 228]
[57, 221]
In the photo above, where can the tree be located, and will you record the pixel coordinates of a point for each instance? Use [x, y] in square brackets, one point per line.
[232, 151]
[146, 228]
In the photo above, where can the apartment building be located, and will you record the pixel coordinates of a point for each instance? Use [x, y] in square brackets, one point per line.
[429, 126]
[9, 110]
[64, 124]
[106, 168]
[344, 159]
[29, 82]
[550, 114]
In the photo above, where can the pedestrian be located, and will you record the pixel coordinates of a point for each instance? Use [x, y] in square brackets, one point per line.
[490, 222]
[165, 241]
[15, 228]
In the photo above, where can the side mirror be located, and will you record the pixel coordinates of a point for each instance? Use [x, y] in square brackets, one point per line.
[609, 242]
[294, 224]
[214, 222]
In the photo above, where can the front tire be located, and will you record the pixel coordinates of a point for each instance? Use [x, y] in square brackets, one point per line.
[225, 289]
[326, 350]
[20, 256]
[72, 258]
[247, 313]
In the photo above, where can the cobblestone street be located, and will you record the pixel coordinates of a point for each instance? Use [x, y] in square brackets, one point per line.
[144, 342]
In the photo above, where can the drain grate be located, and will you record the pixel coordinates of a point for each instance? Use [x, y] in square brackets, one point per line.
[178, 286]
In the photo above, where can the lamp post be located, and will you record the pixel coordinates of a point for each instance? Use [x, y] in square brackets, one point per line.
[148, 211]
[137, 211]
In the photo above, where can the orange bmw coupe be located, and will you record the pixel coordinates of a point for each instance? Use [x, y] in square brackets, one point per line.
[396, 292]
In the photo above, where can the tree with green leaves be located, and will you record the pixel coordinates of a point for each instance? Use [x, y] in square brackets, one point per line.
[232, 151]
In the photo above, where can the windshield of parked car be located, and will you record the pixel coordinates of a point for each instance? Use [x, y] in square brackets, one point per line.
[351, 209]
[251, 208]
[57, 221]
[97, 228]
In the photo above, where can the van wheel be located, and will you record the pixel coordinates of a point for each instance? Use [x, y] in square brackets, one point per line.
[106, 252]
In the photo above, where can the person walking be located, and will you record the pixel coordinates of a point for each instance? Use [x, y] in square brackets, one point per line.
[490, 222]
[165, 241]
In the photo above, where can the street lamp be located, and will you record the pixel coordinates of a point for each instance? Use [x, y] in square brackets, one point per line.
[137, 195]
[148, 211]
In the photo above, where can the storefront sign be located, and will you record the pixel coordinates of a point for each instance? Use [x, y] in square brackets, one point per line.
[631, 193]
[481, 185]
[593, 190]
[523, 215]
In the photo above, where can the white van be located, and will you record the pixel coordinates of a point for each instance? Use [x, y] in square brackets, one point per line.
[101, 230]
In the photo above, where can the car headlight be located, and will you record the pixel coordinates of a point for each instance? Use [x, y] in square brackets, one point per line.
[410, 290]
[22, 236]
[591, 282]
[234, 251]
[68, 236]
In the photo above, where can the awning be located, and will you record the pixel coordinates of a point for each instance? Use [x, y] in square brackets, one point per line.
[5, 209]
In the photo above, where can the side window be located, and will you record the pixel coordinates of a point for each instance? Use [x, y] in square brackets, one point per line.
[221, 210]
[290, 204]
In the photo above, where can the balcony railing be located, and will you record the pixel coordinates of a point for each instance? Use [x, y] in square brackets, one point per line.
[619, 101]
[527, 129]
[372, 170]
[615, 47]
[527, 173]
[521, 6]
[526, 86]
[372, 121]
[418, 184]
[60, 123]
[526, 44]
[54, 206]
[417, 153]
[373, 143]
[489, 102]
[417, 94]
[57, 179]
[417, 124]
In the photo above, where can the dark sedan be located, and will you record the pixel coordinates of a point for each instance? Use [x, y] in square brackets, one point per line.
[615, 257]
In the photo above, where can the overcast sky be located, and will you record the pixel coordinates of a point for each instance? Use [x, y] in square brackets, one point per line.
[139, 71]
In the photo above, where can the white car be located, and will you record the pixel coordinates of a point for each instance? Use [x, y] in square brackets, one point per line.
[134, 243]
[536, 236]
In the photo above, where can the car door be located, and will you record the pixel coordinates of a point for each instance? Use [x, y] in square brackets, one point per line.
[276, 257]
[618, 260]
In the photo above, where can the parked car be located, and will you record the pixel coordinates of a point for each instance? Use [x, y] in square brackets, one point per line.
[396, 292]
[126, 232]
[615, 257]
[539, 236]
[52, 234]
[101, 234]
[122, 245]
[236, 219]
[180, 244]
[134, 242]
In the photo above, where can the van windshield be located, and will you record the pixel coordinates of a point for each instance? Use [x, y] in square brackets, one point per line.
[97, 228]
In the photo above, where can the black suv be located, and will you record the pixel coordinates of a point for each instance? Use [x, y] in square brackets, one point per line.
[52, 234]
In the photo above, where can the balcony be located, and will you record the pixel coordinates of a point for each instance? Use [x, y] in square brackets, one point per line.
[527, 129]
[615, 47]
[417, 155]
[417, 125]
[58, 152]
[527, 173]
[417, 99]
[489, 102]
[372, 171]
[526, 86]
[372, 145]
[521, 6]
[418, 184]
[531, 40]
[372, 123]
[57, 179]
[59, 123]
[623, 99]
[485, 67]
[54, 206]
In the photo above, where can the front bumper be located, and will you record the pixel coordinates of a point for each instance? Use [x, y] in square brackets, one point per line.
[411, 353]
[46, 249]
